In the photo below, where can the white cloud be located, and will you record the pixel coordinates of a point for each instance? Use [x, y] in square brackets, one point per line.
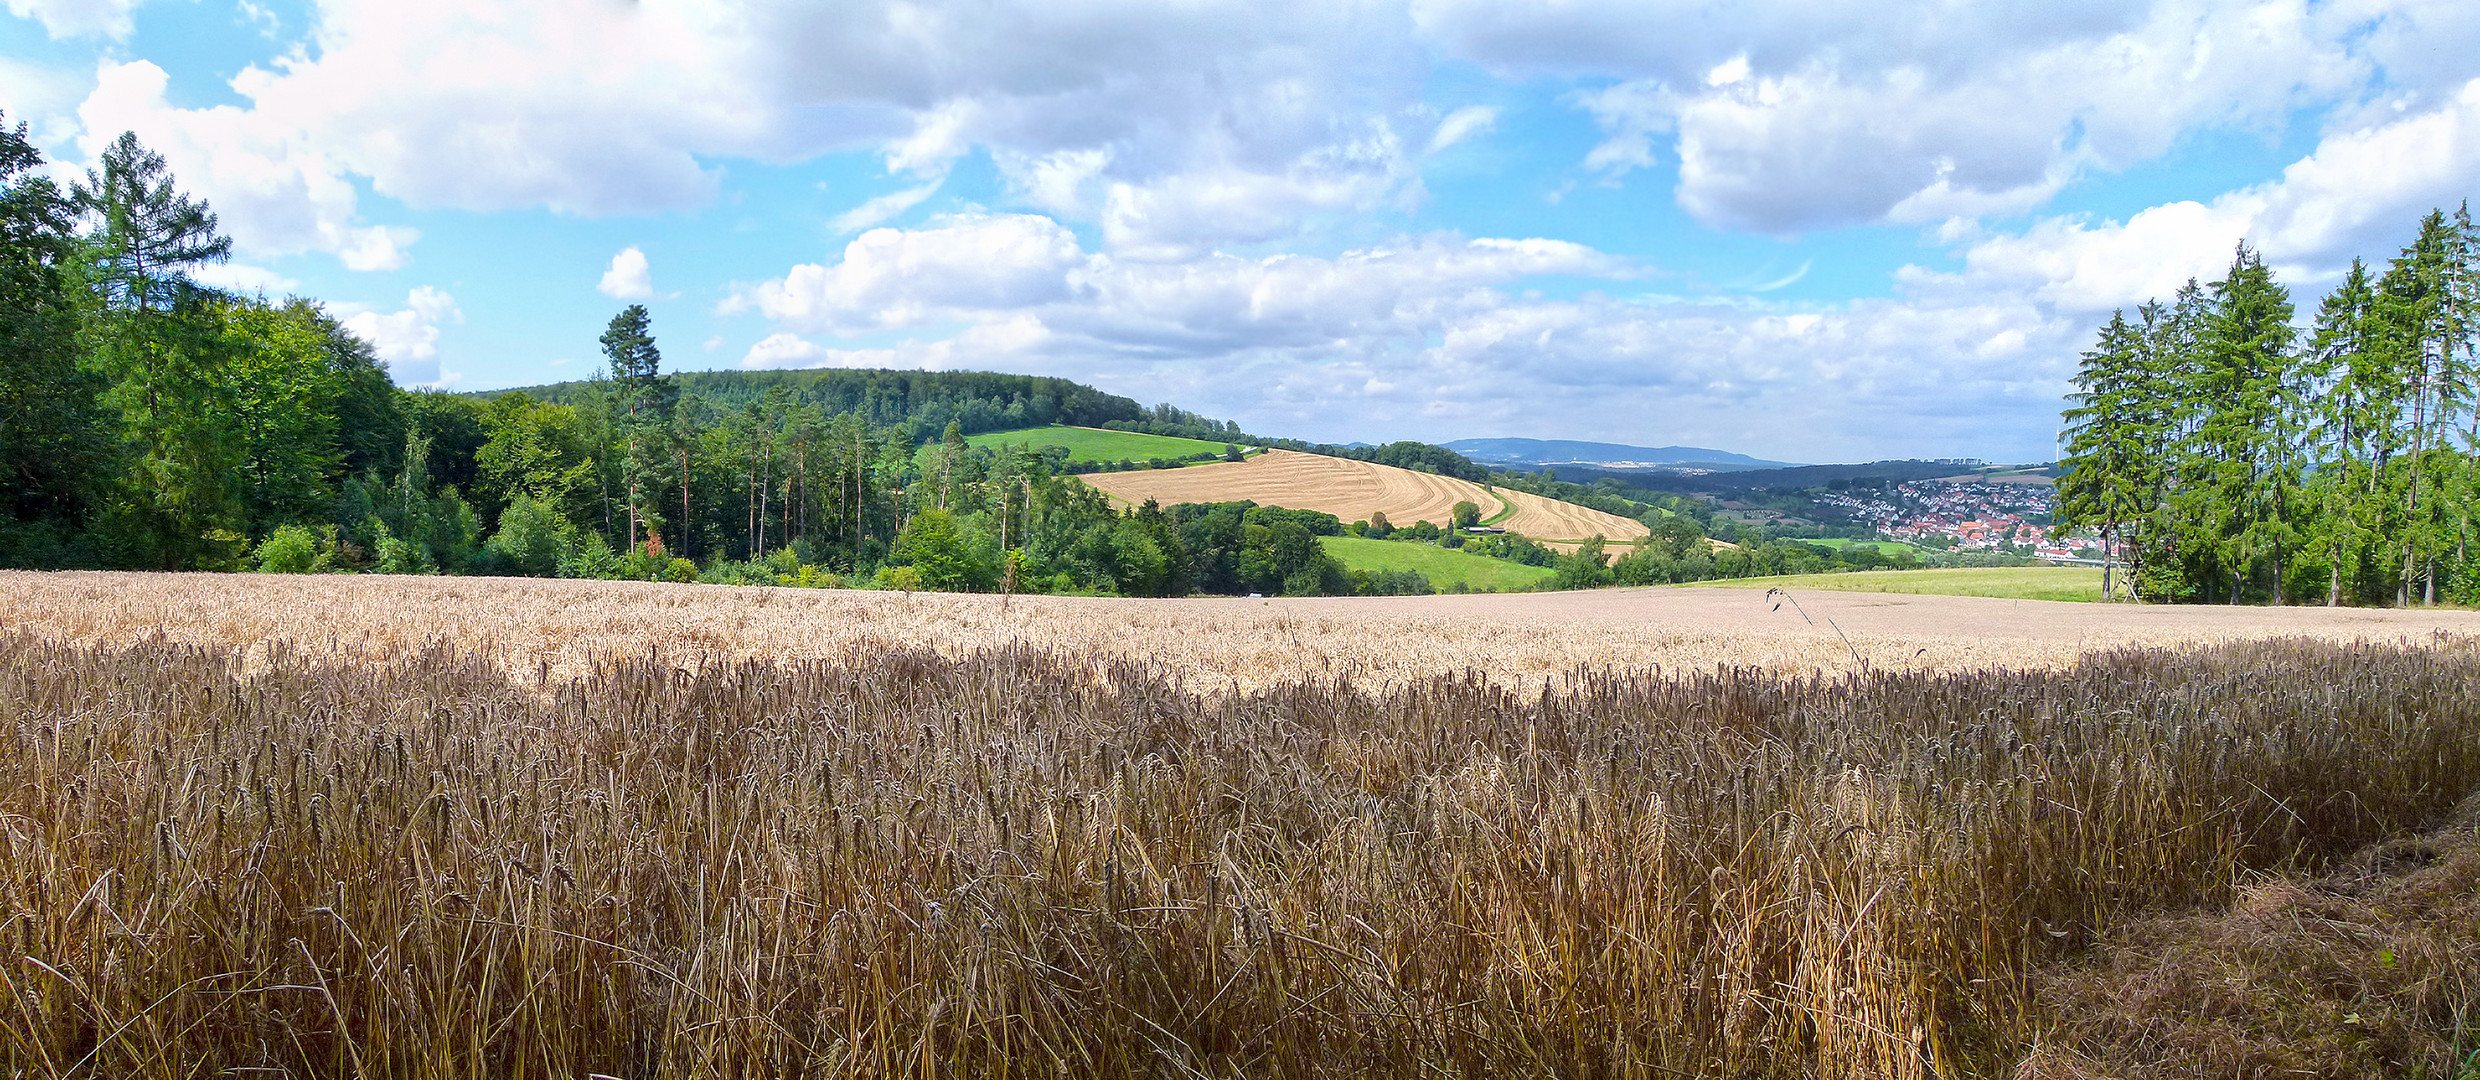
[590, 108]
[78, 18]
[628, 278]
[1423, 337]
[271, 193]
[879, 209]
[898, 278]
[1834, 113]
[408, 339]
[2355, 195]
[1463, 124]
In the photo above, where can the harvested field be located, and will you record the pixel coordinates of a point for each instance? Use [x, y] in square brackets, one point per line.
[1353, 490]
[558, 626]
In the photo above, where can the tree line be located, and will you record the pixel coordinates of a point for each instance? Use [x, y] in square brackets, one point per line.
[2223, 455]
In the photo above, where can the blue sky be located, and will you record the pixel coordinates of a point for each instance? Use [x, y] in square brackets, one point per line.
[1819, 231]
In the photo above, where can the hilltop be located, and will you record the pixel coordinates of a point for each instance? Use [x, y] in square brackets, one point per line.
[1538, 452]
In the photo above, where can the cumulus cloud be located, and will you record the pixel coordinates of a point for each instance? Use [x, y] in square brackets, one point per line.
[1432, 337]
[271, 193]
[1837, 113]
[77, 18]
[897, 278]
[590, 108]
[407, 339]
[2356, 194]
[628, 278]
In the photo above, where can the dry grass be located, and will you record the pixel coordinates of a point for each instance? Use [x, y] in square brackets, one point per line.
[1207, 643]
[893, 863]
[2370, 972]
[1354, 490]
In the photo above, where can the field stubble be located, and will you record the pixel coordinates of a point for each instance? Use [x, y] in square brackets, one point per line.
[1354, 490]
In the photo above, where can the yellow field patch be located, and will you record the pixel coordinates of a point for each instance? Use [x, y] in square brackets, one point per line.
[1355, 490]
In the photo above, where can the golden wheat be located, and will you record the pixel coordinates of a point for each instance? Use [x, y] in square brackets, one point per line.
[895, 863]
[1208, 643]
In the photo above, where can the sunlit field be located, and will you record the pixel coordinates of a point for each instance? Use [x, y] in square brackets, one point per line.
[427, 828]
[2069, 583]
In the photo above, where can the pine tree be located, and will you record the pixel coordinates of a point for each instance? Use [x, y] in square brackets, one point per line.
[2113, 444]
[645, 405]
[2245, 437]
[2353, 425]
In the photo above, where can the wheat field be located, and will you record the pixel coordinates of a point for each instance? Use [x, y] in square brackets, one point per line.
[440, 829]
[526, 625]
[1355, 490]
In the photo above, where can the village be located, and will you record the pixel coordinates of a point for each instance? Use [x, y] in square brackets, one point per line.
[2005, 517]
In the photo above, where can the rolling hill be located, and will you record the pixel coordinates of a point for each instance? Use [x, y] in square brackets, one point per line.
[1537, 452]
[1353, 490]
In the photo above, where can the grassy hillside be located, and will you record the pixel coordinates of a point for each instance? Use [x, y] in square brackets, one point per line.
[1096, 444]
[2079, 583]
[1443, 567]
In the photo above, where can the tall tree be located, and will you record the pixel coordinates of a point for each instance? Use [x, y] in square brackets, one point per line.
[54, 445]
[2113, 438]
[159, 343]
[2419, 333]
[2245, 435]
[2353, 430]
[149, 235]
[645, 404]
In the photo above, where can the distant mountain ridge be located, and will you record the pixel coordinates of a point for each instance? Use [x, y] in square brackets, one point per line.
[1604, 455]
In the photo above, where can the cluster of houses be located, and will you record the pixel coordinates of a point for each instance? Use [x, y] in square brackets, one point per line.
[1974, 516]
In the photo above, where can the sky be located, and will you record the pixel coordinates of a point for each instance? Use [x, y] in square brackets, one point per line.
[1820, 231]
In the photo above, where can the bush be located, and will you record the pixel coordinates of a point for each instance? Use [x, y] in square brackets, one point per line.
[592, 559]
[534, 538]
[1584, 569]
[680, 572]
[291, 549]
[899, 578]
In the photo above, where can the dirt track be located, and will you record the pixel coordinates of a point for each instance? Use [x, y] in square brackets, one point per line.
[1353, 490]
[530, 625]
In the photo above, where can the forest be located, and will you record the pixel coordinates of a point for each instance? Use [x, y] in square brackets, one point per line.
[2222, 455]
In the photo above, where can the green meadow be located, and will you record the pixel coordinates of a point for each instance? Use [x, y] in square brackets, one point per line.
[2080, 583]
[1097, 444]
[1443, 567]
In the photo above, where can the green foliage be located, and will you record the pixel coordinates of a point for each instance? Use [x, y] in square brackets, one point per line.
[1584, 568]
[533, 538]
[592, 559]
[2223, 460]
[1094, 445]
[941, 555]
[291, 549]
